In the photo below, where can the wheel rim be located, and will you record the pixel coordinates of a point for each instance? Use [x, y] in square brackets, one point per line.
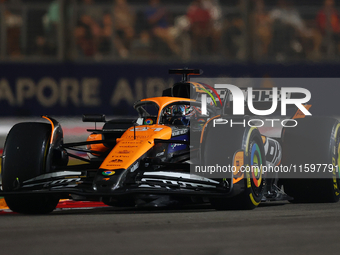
[256, 168]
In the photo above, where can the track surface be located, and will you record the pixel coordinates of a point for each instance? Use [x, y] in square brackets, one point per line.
[275, 228]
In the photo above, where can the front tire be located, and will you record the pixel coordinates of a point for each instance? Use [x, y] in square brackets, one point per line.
[220, 145]
[253, 183]
[24, 157]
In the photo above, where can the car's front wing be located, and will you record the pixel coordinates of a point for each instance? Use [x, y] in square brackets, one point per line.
[156, 182]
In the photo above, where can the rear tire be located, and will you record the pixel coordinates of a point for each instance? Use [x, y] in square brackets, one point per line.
[318, 145]
[24, 157]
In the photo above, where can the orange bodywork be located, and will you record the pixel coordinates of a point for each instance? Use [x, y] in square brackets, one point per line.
[164, 101]
[299, 114]
[51, 139]
[98, 146]
[134, 144]
[206, 125]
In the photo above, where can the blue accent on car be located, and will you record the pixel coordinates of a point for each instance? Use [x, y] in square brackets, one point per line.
[174, 147]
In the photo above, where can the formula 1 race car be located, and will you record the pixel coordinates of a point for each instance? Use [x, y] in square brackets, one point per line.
[151, 161]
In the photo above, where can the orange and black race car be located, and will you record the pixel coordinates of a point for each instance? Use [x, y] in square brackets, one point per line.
[178, 151]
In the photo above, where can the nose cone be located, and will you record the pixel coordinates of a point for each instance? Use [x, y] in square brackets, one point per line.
[109, 180]
[133, 144]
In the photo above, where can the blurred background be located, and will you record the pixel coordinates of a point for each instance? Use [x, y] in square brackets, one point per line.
[176, 30]
[69, 57]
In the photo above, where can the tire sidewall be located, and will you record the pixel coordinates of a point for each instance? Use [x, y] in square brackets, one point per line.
[25, 153]
[254, 183]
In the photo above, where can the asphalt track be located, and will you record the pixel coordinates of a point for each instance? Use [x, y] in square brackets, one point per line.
[273, 228]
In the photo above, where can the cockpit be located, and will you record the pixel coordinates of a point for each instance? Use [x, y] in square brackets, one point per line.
[178, 113]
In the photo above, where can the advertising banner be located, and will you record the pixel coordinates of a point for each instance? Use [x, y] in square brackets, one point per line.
[69, 89]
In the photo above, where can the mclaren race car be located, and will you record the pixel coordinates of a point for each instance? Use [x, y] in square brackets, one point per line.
[153, 160]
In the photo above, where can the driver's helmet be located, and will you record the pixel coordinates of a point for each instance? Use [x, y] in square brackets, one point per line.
[178, 110]
[182, 113]
[182, 110]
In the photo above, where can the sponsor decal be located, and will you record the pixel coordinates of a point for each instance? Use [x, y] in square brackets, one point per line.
[70, 182]
[146, 129]
[120, 156]
[130, 142]
[139, 136]
[64, 181]
[108, 173]
[148, 122]
[178, 146]
[176, 132]
[201, 122]
[116, 161]
[124, 152]
[174, 145]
